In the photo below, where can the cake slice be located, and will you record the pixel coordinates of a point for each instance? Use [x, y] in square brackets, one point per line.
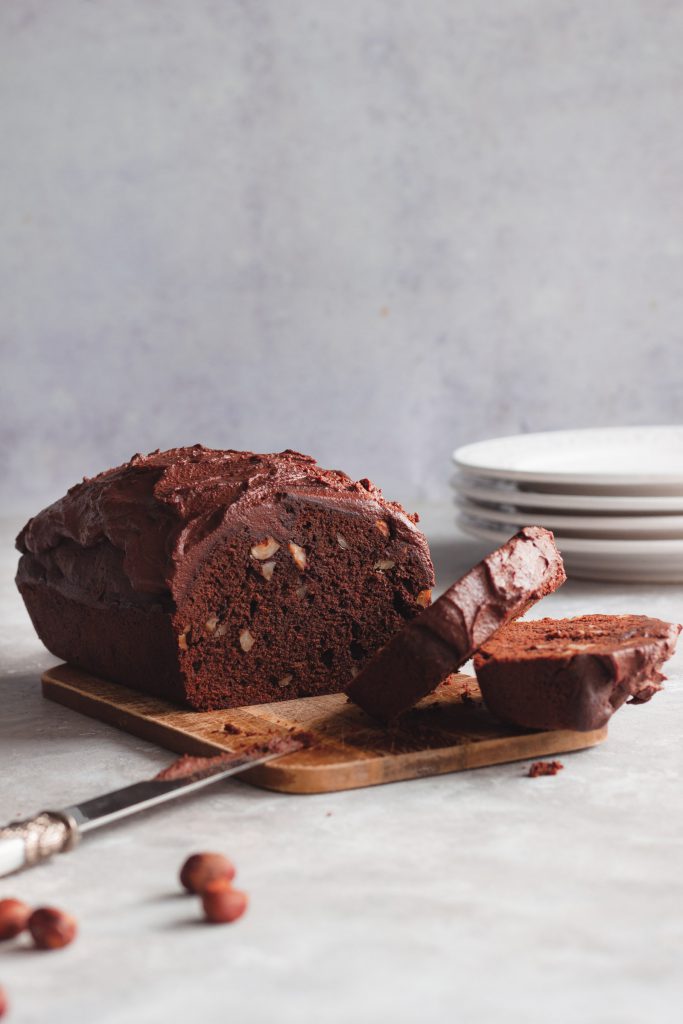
[443, 637]
[222, 578]
[573, 673]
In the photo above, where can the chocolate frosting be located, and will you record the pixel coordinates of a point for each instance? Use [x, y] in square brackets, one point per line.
[510, 578]
[144, 524]
[190, 766]
[444, 636]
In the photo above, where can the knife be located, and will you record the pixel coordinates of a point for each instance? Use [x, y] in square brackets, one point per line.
[26, 843]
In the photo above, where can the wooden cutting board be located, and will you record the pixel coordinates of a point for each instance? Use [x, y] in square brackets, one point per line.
[448, 732]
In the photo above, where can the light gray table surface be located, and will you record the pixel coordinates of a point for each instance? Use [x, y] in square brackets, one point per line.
[475, 897]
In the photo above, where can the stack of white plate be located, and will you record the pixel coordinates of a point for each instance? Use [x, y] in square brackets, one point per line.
[612, 497]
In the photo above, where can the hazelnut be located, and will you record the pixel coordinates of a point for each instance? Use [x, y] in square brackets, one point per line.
[246, 640]
[223, 904]
[267, 570]
[182, 638]
[342, 542]
[221, 629]
[265, 549]
[383, 527]
[14, 917]
[383, 564]
[424, 598]
[202, 868]
[285, 681]
[51, 928]
[211, 623]
[298, 554]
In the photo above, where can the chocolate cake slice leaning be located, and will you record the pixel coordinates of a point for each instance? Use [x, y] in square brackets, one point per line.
[446, 635]
[573, 673]
[222, 578]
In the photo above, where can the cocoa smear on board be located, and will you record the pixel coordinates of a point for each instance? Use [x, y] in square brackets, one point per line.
[187, 766]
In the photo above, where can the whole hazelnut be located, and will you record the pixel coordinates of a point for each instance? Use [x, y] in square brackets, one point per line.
[223, 904]
[51, 928]
[14, 917]
[202, 868]
[3, 1002]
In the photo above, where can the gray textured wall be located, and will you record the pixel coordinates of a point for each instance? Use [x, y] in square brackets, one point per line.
[369, 229]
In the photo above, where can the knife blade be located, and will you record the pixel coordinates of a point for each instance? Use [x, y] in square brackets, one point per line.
[26, 843]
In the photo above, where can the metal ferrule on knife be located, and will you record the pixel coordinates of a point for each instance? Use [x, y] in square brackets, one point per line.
[25, 843]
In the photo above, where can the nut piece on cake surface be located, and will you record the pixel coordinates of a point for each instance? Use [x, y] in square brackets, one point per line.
[383, 527]
[51, 928]
[298, 554]
[201, 868]
[384, 564]
[247, 641]
[14, 917]
[182, 638]
[265, 549]
[267, 569]
[424, 598]
[342, 542]
[211, 623]
[222, 904]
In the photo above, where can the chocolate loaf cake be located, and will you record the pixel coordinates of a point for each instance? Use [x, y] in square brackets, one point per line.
[446, 635]
[222, 578]
[573, 673]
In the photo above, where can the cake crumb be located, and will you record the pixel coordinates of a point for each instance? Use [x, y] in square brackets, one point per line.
[233, 730]
[544, 768]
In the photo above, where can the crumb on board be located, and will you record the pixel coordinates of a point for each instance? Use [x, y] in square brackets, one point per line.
[232, 730]
[544, 768]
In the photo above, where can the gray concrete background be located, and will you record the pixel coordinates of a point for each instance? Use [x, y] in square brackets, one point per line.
[368, 229]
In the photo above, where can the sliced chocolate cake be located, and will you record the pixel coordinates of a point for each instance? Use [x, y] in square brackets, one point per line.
[222, 578]
[573, 673]
[446, 635]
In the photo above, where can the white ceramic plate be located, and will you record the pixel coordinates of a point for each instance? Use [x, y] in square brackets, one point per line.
[623, 561]
[636, 459]
[499, 493]
[625, 527]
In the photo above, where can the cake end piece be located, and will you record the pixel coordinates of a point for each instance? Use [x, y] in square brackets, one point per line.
[573, 673]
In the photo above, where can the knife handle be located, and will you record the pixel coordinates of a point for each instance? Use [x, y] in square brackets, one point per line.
[25, 843]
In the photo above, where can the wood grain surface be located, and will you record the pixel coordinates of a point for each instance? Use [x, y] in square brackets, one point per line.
[448, 732]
